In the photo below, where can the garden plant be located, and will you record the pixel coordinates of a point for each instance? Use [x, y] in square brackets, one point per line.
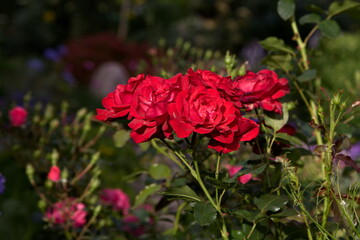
[222, 152]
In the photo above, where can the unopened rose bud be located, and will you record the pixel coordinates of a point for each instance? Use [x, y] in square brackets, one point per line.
[54, 174]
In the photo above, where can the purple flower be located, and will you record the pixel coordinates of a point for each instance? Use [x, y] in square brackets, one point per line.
[2, 183]
[354, 151]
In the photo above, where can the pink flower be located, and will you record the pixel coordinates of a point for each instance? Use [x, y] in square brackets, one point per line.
[115, 198]
[54, 174]
[136, 226]
[233, 170]
[68, 210]
[17, 116]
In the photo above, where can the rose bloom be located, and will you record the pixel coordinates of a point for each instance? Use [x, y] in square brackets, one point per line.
[262, 89]
[67, 210]
[54, 174]
[18, 116]
[115, 198]
[203, 111]
[233, 170]
[117, 103]
[150, 107]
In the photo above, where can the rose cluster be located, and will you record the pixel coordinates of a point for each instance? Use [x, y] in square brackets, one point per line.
[68, 210]
[198, 102]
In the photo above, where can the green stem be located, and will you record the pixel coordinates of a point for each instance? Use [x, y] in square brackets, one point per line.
[328, 167]
[217, 177]
[251, 231]
[177, 217]
[301, 44]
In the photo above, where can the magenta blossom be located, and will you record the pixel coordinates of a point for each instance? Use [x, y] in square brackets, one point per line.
[115, 198]
[233, 170]
[64, 211]
[17, 116]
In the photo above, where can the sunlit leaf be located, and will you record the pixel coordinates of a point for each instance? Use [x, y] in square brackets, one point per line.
[145, 193]
[270, 202]
[121, 137]
[275, 44]
[342, 6]
[310, 18]
[277, 121]
[159, 171]
[183, 192]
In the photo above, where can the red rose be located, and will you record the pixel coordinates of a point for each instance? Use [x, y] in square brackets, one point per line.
[117, 104]
[149, 107]
[18, 116]
[212, 80]
[203, 111]
[262, 89]
[199, 110]
[246, 130]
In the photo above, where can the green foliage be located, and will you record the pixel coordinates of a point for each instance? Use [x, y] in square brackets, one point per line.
[204, 213]
[270, 202]
[329, 28]
[145, 193]
[286, 9]
[159, 171]
[183, 192]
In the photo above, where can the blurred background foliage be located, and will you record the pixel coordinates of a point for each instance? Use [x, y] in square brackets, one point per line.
[63, 49]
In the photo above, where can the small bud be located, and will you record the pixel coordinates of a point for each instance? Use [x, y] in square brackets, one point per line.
[64, 174]
[54, 124]
[54, 157]
[336, 100]
[30, 172]
[42, 205]
[94, 158]
[81, 113]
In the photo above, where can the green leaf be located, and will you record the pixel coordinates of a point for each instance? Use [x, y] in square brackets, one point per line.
[217, 183]
[121, 137]
[307, 75]
[249, 215]
[275, 44]
[279, 61]
[204, 213]
[329, 28]
[270, 202]
[184, 192]
[341, 6]
[277, 121]
[314, 8]
[244, 231]
[291, 139]
[310, 18]
[159, 171]
[145, 193]
[286, 9]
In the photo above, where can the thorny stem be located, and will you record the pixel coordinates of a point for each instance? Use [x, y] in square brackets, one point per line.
[196, 174]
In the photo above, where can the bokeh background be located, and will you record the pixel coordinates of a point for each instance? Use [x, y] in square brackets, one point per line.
[78, 50]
